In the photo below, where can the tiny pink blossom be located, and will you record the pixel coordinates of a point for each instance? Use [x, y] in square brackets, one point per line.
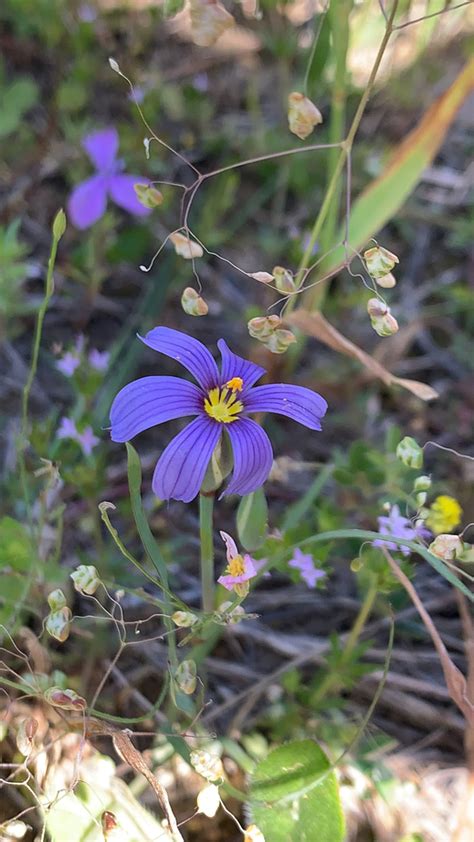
[239, 568]
[248, 572]
[305, 564]
[99, 360]
[87, 440]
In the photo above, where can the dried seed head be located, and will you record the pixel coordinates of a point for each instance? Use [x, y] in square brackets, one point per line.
[148, 195]
[86, 579]
[186, 247]
[262, 327]
[387, 281]
[410, 453]
[381, 318]
[280, 341]
[208, 800]
[379, 262]
[58, 624]
[283, 279]
[56, 600]
[184, 619]
[208, 21]
[192, 303]
[303, 115]
[208, 765]
[25, 735]
[186, 676]
[262, 277]
[66, 699]
[447, 547]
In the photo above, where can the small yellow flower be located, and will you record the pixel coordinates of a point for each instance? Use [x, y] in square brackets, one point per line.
[444, 514]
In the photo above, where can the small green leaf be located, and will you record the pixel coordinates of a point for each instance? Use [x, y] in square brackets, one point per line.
[294, 795]
[252, 520]
[16, 549]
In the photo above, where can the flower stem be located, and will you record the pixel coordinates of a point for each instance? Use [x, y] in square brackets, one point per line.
[206, 507]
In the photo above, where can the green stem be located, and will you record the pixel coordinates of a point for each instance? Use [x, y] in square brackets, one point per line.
[206, 506]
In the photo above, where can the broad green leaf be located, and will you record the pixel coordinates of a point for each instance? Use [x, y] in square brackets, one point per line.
[382, 199]
[252, 520]
[294, 795]
[16, 549]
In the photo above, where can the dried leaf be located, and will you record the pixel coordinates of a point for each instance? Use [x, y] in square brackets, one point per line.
[315, 324]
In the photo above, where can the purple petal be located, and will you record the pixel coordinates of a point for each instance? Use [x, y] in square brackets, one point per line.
[102, 147]
[88, 201]
[182, 465]
[152, 400]
[253, 456]
[296, 402]
[122, 191]
[234, 366]
[188, 351]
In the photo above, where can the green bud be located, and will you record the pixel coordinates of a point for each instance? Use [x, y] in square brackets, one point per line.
[379, 261]
[410, 453]
[186, 676]
[86, 579]
[421, 498]
[148, 196]
[422, 483]
[56, 600]
[59, 225]
[381, 318]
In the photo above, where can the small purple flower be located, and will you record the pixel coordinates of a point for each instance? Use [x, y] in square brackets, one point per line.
[305, 564]
[400, 527]
[68, 363]
[221, 401]
[201, 82]
[99, 360]
[239, 568]
[89, 199]
[87, 440]
[67, 429]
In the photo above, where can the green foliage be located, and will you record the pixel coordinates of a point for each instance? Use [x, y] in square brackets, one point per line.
[294, 791]
[13, 270]
[17, 559]
[252, 520]
[16, 99]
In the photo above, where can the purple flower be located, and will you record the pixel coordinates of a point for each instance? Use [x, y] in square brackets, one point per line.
[67, 429]
[68, 363]
[400, 527]
[239, 568]
[221, 401]
[305, 564]
[99, 360]
[89, 199]
[87, 440]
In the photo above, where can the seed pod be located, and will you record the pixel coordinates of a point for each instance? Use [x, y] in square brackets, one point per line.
[379, 262]
[186, 247]
[208, 21]
[186, 677]
[25, 735]
[148, 196]
[280, 341]
[387, 281]
[208, 800]
[381, 318]
[58, 624]
[262, 277]
[208, 765]
[303, 115]
[184, 619]
[447, 547]
[86, 579]
[192, 303]
[65, 699]
[262, 327]
[283, 279]
[421, 498]
[410, 453]
[422, 483]
[56, 600]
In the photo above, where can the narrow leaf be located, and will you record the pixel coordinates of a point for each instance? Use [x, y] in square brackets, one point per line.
[252, 520]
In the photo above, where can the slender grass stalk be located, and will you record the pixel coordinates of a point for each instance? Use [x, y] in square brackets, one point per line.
[206, 508]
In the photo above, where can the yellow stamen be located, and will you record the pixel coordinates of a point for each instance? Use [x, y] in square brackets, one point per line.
[235, 383]
[223, 406]
[236, 566]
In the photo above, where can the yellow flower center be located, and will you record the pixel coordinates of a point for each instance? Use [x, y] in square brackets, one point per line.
[222, 403]
[445, 513]
[236, 567]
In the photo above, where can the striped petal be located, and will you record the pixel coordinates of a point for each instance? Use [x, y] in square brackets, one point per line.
[182, 465]
[253, 456]
[234, 366]
[295, 402]
[186, 350]
[150, 401]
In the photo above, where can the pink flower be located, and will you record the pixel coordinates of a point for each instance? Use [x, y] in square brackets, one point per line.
[305, 564]
[86, 440]
[239, 568]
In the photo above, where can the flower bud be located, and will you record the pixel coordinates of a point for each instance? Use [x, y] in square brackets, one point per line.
[283, 279]
[387, 282]
[422, 483]
[111, 830]
[186, 676]
[410, 453]
[184, 619]
[280, 341]
[421, 498]
[186, 247]
[208, 765]
[253, 834]
[192, 303]
[65, 699]
[56, 600]
[148, 196]
[59, 225]
[208, 800]
[379, 262]
[86, 579]
[447, 547]
[262, 277]
[208, 21]
[381, 318]
[58, 624]
[25, 735]
[303, 115]
[262, 327]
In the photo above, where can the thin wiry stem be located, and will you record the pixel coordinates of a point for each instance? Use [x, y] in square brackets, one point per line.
[432, 15]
